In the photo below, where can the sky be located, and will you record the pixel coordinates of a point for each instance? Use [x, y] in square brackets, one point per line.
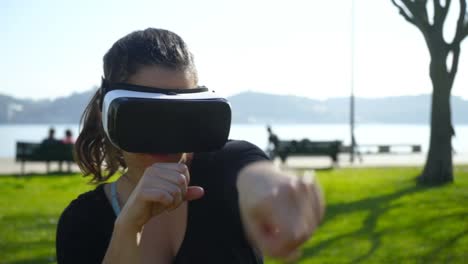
[51, 49]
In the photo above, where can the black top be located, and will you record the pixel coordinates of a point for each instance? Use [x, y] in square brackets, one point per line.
[214, 230]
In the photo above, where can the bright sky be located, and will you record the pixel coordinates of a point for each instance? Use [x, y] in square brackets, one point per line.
[299, 47]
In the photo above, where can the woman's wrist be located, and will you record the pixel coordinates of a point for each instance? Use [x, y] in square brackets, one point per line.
[124, 236]
[123, 227]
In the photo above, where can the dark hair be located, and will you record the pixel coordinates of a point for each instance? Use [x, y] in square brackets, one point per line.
[150, 47]
[68, 133]
[51, 132]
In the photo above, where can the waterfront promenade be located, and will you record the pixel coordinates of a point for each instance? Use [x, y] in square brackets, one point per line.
[10, 166]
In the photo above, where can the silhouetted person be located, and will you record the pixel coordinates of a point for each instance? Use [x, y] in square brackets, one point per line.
[355, 150]
[273, 142]
[68, 139]
[46, 145]
[51, 138]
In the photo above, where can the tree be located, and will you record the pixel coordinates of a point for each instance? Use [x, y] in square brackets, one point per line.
[442, 71]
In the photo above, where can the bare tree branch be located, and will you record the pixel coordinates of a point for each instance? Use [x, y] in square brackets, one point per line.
[440, 12]
[437, 5]
[465, 27]
[416, 11]
[408, 17]
[421, 11]
[461, 31]
[447, 4]
[465, 32]
[455, 48]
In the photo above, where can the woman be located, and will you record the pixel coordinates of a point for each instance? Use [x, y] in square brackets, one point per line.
[226, 206]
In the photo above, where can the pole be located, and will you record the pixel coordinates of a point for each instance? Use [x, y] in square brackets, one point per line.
[351, 103]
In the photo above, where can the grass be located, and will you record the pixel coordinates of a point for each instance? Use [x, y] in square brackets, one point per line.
[373, 216]
[29, 211]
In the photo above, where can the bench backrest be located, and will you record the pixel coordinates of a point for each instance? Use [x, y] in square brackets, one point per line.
[310, 147]
[27, 151]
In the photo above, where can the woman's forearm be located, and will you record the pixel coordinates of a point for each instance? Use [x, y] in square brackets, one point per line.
[123, 247]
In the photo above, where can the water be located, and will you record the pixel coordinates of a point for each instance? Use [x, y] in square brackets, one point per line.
[365, 134]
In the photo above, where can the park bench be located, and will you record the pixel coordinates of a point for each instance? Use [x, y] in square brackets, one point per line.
[390, 148]
[51, 152]
[305, 147]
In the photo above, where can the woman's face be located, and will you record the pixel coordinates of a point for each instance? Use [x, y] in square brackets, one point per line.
[153, 76]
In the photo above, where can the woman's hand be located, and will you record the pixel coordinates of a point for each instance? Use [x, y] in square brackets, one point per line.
[279, 211]
[163, 187]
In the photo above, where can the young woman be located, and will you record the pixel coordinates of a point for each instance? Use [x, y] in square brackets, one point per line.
[225, 206]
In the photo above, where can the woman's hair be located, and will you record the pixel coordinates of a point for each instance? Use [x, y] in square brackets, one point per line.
[94, 153]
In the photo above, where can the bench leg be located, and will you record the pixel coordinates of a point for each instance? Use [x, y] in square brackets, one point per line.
[47, 167]
[359, 154]
[22, 168]
[69, 166]
[283, 161]
[60, 166]
[334, 158]
[283, 158]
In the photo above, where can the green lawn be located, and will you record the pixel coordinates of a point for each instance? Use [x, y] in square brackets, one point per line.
[373, 216]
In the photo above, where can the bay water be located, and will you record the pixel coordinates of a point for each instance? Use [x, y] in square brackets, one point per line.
[366, 134]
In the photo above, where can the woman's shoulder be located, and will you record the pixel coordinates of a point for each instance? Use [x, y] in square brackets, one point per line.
[232, 152]
[234, 144]
[85, 228]
[95, 197]
[93, 204]
[240, 149]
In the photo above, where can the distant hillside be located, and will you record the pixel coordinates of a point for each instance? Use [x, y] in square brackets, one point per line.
[61, 110]
[252, 107]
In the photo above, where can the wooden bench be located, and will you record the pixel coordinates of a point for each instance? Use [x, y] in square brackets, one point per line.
[50, 152]
[390, 148]
[286, 148]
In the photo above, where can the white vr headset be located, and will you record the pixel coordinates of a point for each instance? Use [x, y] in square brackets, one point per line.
[144, 119]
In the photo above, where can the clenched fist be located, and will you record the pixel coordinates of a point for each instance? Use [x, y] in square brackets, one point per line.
[279, 211]
[163, 186]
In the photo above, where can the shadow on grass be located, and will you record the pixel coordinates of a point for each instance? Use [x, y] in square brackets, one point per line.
[376, 206]
[438, 250]
[28, 238]
[311, 168]
[32, 247]
[40, 260]
[30, 222]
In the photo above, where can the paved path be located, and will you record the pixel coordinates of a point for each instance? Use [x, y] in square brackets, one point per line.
[370, 160]
[9, 166]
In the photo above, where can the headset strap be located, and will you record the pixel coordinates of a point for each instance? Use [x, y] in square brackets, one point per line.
[107, 86]
[115, 198]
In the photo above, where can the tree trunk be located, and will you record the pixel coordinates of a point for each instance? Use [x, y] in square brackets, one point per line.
[439, 167]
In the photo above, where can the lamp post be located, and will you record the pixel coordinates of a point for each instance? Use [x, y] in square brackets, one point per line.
[351, 103]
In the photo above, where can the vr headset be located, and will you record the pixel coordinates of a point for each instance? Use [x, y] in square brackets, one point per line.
[144, 119]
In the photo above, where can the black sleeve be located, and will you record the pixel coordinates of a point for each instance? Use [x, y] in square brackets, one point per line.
[81, 237]
[232, 159]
